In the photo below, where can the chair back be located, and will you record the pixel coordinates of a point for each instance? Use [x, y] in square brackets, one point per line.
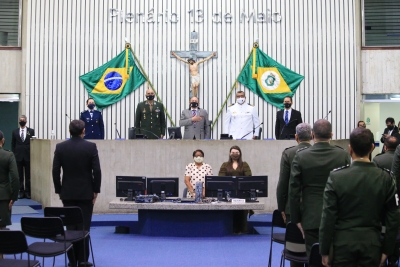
[42, 227]
[294, 241]
[315, 259]
[69, 215]
[277, 220]
[12, 242]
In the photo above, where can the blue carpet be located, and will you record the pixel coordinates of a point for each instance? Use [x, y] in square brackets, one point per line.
[112, 249]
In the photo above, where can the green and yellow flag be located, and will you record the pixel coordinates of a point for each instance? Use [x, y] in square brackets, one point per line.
[269, 79]
[114, 80]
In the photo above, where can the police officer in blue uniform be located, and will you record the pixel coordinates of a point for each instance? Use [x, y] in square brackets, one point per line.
[94, 126]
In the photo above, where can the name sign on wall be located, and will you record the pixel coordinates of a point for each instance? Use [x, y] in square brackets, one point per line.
[196, 16]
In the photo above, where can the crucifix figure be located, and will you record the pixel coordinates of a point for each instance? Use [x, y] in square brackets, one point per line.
[193, 54]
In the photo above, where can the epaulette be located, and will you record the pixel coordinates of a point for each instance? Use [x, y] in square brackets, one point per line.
[83, 111]
[288, 147]
[7, 150]
[301, 149]
[231, 104]
[250, 105]
[387, 170]
[341, 168]
[339, 147]
[380, 154]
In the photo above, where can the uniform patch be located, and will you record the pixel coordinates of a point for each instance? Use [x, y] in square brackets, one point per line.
[341, 168]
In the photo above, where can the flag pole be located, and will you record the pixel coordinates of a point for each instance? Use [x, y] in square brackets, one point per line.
[127, 45]
[233, 87]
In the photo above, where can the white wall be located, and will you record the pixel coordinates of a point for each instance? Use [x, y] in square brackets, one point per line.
[65, 39]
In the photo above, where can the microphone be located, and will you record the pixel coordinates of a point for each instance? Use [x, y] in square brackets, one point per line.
[253, 131]
[327, 115]
[116, 129]
[134, 128]
[280, 135]
[68, 116]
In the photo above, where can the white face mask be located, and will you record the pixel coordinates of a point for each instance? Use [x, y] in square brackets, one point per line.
[240, 100]
[198, 159]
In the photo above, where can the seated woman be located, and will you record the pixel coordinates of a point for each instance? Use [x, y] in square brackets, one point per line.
[236, 167]
[196, 172]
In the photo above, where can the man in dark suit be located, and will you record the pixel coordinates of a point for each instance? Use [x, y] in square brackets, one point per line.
[81, 180]
[21, 146]
[308, 175]
[94, 126]
[385, 160]
[195, 121]
[287, 120]
[390, 130]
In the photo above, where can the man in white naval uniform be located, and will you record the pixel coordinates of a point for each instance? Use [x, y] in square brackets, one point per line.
[241, 118]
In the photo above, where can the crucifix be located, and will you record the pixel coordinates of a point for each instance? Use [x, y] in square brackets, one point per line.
[192, 56]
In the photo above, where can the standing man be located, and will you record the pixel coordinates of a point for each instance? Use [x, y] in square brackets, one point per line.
[303, 138]
[287, 120]
[390, 130]
[241, 119]
[94, 126]
[356, 199]
[309, 173]
[81, 180]
[9, 184]
[21, 146]
[361, 124]
[150, 117]
[384, 160]
[195, 121]
[194, 71]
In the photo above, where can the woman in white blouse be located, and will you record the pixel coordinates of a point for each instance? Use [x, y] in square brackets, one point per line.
[196, 172]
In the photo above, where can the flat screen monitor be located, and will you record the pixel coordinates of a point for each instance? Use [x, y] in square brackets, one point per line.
[221, 187]
[252, 187]
[130, 186]
[163, 187]
[226, 137]
[174, 133]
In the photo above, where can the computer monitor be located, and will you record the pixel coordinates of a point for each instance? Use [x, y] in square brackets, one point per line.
[252, 187]
[221, 187]
[130, 186]
[163, 187]
[174, 133]
[226, 137]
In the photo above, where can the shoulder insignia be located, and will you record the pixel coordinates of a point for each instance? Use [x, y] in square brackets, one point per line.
[339, 147]
[250, 104]
[341, 168]
[387, 170]
[301, 149]
[8, 150]
[231, 104]
[289, 147]
[82, 112]
[380, 154]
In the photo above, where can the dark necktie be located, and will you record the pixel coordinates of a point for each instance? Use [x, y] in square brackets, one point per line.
[286, 117]
[22, 136]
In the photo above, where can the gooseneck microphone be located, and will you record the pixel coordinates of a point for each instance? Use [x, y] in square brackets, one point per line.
[68, 116]
[284, 126]
[134, 128]
[327, 115]
[116, 129]
[252, 131]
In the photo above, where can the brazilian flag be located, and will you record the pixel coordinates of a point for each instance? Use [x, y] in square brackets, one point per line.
[114, 80]
[269, 79]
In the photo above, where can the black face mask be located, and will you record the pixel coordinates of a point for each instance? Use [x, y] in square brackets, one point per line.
[194, 104]
[22, 123]
[287, 105]
[391, 127]
[150, 97]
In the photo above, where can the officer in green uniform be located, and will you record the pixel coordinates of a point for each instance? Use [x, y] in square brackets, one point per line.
[384, 160]
[303, 138]
[356, 199]
[309, 173]
[9, 183]
[150, 117]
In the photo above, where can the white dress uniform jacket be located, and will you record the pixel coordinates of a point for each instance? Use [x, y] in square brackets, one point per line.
[240, 120]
